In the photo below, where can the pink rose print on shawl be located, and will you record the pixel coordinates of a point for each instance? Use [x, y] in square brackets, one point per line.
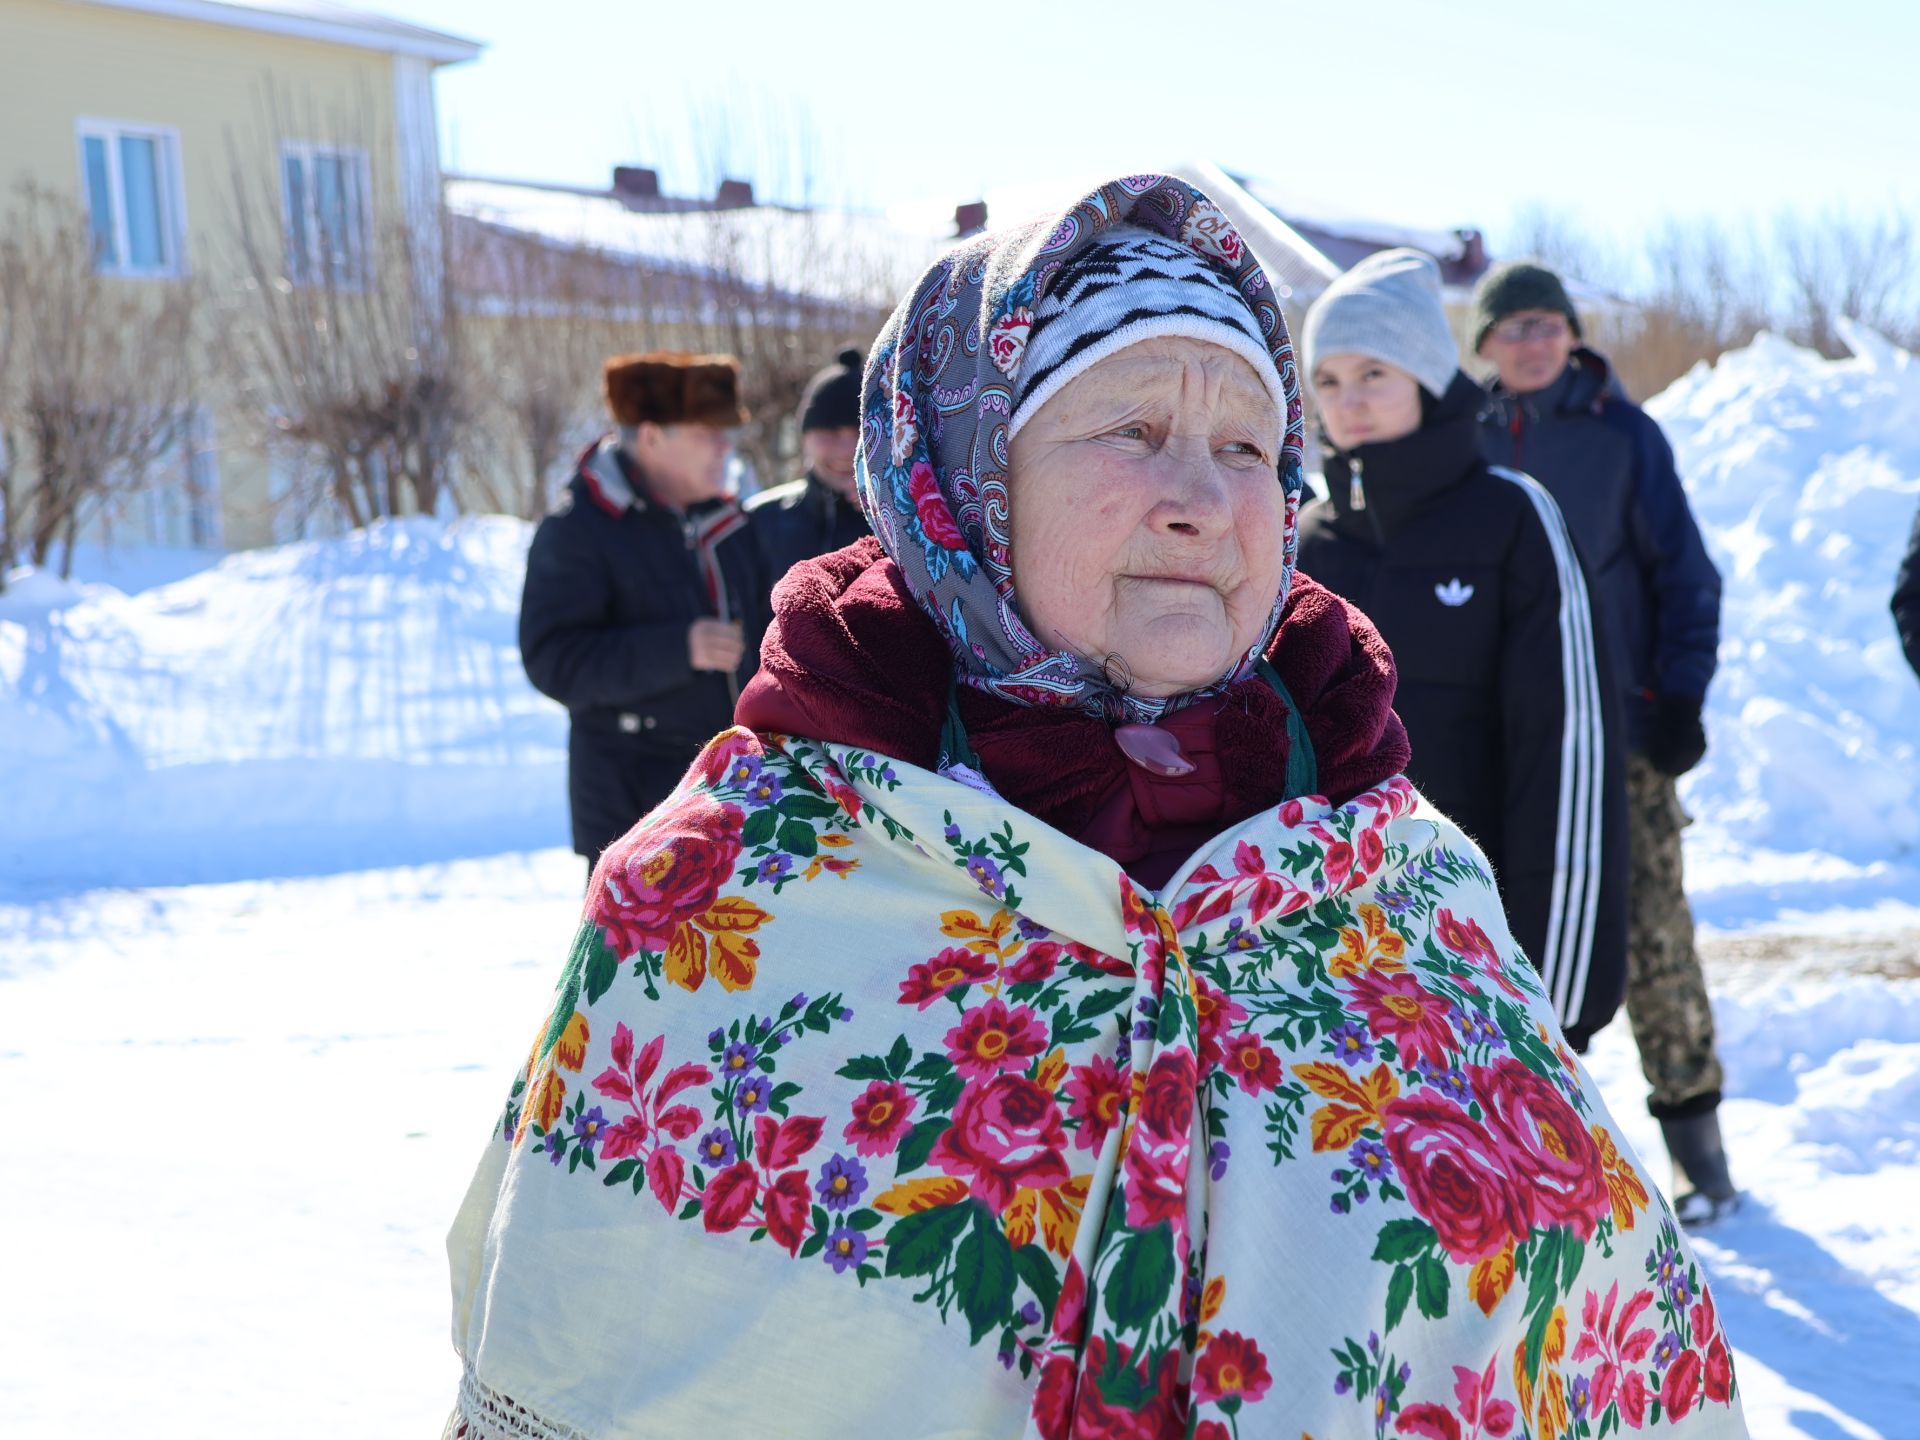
[1008, 340]
[1398, 1006]
[1231, 1368]
[1006, 1136]
[993, 1038]
[1466, 939]
[1098, 1092]
[1252, 883]
[1546, 1142]
[936, 519]
[654, 1123]
[880, 1118]
[1480, 1413]
[1457, 1176]
[658, 879]
[951, 968]
[1162, 1413]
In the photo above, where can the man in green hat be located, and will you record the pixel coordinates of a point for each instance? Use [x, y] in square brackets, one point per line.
[1557, 413]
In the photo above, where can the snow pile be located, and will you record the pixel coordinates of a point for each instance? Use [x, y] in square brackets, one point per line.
[1805, 476]
[322, 705]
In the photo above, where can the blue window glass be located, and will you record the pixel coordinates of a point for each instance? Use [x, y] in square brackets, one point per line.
[100, 202]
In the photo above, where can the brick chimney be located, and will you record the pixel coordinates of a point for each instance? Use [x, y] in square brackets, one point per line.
[734, 195]
[1473, 252]
[633, 182]
[970, 218]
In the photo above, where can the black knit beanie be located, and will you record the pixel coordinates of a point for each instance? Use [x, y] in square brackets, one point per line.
[1513, 286]
[832, 397]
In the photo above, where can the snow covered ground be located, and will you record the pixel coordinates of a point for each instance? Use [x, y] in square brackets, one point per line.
[280, 904]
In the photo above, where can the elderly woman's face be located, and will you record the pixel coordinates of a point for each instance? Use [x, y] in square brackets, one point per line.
[1147, 515]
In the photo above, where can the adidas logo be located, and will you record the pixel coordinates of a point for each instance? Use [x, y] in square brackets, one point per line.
[1453, 592]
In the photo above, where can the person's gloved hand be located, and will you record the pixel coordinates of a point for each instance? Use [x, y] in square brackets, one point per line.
[1675, 737]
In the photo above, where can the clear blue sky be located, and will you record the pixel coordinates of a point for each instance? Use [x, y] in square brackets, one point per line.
[1421, 113]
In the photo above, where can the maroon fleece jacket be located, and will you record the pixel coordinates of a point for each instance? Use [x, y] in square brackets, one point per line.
[851, 658]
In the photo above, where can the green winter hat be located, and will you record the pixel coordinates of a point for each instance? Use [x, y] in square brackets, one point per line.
[1513, 286]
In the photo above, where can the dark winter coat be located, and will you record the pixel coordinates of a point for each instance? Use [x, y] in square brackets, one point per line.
[1611, 470]
[800, 520]
[1906, 599]
[1470, 575]
[614, 583]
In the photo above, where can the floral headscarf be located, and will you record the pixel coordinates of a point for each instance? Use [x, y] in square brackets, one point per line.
[936, 404]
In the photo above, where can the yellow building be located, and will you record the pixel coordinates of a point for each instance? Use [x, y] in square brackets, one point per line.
[164, 119]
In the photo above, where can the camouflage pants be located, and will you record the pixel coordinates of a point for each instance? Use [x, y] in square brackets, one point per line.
[1666, 991]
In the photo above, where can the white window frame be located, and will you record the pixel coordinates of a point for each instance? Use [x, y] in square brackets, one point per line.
[360, 258]
[170, 191]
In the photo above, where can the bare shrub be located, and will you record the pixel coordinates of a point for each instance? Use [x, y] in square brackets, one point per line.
[341, 342]
[96, 381]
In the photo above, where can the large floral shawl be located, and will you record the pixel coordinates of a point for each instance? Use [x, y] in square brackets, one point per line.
[871, 1106]
[936, 406]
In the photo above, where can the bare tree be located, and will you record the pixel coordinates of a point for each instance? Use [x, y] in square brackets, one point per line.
[340, 340]
[103, 389]
[1862, 269]
[538, 318]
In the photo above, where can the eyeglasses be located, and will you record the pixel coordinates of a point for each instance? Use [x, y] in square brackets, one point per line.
[1523, 328]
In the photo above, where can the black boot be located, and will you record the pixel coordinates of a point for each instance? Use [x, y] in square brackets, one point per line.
[1703, 1190]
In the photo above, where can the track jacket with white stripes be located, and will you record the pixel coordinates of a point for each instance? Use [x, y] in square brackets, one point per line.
[1470, 575]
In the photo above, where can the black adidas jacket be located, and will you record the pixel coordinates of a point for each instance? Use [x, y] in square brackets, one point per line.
[1470, 575]
[613, 585]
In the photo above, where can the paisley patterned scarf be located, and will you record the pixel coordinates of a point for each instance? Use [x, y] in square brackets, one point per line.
[942, 385]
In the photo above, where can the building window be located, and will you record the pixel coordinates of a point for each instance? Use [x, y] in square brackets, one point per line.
[327, 214]
[135, 209]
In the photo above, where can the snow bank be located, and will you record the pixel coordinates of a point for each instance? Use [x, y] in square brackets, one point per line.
[324, 705]
[1805, 475]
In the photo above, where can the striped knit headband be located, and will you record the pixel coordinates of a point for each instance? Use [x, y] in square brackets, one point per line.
[1129, 286]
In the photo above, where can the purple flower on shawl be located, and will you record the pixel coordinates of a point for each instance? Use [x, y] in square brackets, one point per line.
[1030, 930]
[1581, 1396]
[739, 1058]
[1029, 1313]
[765, 790]
[952, 833]
[1371, 1159]
[1667, 1351]
[846, 1014]
[716, 1037]
[715, 1148]
[1451, 1083]
[1217, 1158]
[1478, 1028]
[554, 1144]
[751, 1098]
[1352, 1043]
[846, 1248]
[1396, 901]
[589, 1126]
[986, 875]
[744, 771]
[1681, 1292]
[843, 1180]
[798, 1002]
[774, 866]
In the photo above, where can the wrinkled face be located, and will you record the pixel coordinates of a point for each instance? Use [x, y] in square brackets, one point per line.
[1364, 401]
[1147, 514]
[684, 463]
[1529, 348]
[829, 453]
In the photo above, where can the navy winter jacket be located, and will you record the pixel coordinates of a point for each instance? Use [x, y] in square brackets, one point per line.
[1611, 470]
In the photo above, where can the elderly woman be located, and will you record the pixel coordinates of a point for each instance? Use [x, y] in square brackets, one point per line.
[1053, 1014]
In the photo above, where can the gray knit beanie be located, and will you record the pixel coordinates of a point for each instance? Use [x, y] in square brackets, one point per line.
[1513, 286]
[1388, 306]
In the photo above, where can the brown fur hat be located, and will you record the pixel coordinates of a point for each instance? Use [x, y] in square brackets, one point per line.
[672, 388]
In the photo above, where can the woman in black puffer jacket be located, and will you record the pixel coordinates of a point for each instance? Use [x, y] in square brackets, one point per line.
[1470, 574]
